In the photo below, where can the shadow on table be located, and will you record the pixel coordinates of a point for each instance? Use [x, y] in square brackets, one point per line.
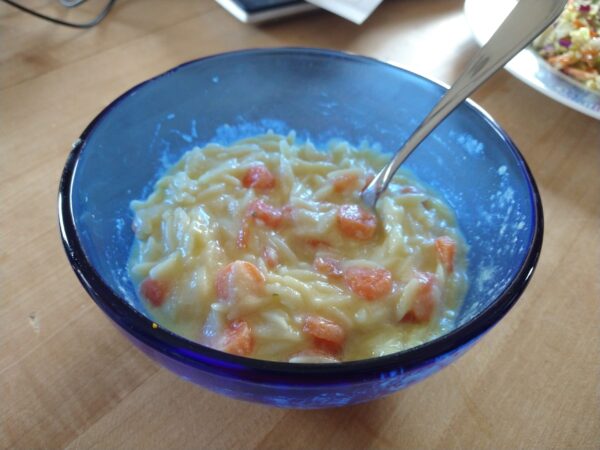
[353, 427]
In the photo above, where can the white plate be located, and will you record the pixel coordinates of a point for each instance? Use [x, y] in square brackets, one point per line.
[484, 17]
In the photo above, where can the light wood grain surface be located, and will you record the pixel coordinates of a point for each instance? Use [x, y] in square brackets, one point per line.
[69, 379]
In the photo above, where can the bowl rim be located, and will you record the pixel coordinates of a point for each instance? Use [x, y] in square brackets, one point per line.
[196, 355]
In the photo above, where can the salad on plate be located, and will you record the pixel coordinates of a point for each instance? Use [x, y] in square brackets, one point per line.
[572, 43]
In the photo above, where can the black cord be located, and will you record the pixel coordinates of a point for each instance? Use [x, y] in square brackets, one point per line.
[70, 4]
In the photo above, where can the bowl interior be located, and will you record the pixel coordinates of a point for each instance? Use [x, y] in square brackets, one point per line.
[321, 95]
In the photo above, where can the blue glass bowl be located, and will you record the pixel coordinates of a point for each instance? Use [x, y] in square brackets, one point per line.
[321, 94]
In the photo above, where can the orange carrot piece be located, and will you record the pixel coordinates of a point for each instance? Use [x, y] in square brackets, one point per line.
[345, 182]
[238, 338]
[426, 302]
[258, 211]
[327, 335]
[562, 61]
[155, 291]
[258, 177]
[356, 223]
[236, 273]
[369, 283]
[328, 266]
[267, 214]
[446, 250]
[579, 74]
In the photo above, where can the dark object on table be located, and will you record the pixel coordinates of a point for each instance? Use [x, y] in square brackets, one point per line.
[255, 11]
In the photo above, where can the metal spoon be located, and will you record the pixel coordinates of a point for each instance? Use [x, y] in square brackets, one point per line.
[528, 19]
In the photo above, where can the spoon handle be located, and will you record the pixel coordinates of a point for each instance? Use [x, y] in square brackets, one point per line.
[528, 19]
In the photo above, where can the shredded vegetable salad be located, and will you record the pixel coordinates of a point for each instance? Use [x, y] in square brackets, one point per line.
[572, 43]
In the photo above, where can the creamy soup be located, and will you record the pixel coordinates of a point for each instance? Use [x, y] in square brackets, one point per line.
[263, 249]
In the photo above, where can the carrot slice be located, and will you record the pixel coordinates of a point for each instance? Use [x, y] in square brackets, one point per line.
[355, 222]
[238, 338]
[258, 211]
[327, 335]
[579, 74]
[345, 182]
[562, 61]
[238, 276]
[258, 177]
[154, 291]
[368, 283]
[446, 249]
[267, 214]
[426, 301]
[328, 266]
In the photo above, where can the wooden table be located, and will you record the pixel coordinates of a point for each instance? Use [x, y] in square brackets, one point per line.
[69, 379]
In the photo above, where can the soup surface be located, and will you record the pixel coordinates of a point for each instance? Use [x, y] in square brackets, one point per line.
[263, 249]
